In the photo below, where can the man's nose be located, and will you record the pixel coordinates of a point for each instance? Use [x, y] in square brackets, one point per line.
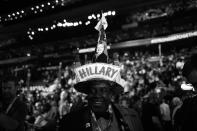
[99, 93]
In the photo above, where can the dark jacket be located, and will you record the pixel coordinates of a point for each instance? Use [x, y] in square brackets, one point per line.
[81, 120]
[187, 114]
[18, 112]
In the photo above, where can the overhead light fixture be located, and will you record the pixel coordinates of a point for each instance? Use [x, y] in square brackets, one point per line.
[113, 13]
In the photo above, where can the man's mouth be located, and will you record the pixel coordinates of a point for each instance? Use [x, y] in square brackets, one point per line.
[98, 102]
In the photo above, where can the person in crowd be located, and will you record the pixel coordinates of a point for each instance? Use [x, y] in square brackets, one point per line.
[41, 120]
[176, 103]
[188, 111]
[13, 111]
[64, 106]
[101, 113]
[45, 122]
[151, 117]
[165, 114]
[53, 113]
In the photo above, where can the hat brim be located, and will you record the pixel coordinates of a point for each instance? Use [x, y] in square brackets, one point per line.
[84, 87]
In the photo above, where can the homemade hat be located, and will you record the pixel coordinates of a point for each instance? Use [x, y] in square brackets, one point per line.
[100, 70]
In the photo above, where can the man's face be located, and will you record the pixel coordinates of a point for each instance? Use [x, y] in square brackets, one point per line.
[8, 90]
[192, 78]
[99, 97]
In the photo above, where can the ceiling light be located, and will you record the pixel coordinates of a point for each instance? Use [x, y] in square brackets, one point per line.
[59, 24]
[105, 14]
[89, 17]
[76, 24]
[64, 25]
[28, 54]
[98, 15]
[109, 13]
[31, 38]
[113, 13]
[93, 16]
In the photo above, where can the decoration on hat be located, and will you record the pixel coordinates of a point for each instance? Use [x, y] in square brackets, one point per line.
[99, 69]
[101, 54]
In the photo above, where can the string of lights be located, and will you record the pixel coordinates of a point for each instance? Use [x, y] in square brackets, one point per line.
[35, 10]
[67, 24]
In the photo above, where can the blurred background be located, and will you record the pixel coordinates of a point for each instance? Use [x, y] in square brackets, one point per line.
[41, 41]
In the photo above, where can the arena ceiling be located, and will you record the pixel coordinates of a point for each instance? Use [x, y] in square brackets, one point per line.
[80, 8]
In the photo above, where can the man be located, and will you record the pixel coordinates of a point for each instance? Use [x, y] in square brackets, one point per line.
[101, 82]
[186, 117]
[165, 114]
[13, 111]
[101, 114]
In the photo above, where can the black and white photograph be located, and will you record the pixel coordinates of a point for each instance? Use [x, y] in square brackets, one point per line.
[98, 65]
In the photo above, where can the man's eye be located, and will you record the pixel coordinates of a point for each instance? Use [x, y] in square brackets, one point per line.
[93, 91]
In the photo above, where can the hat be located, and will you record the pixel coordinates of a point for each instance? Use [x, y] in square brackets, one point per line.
[100, 70]
[106, 73]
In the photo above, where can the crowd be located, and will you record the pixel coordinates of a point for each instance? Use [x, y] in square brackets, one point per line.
[152, 88]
